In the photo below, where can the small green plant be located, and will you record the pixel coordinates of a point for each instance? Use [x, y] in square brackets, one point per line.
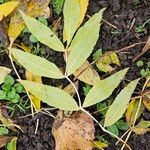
[141, 28]
[115, 32]
[10, 92]
[58, 6]
[144, 68]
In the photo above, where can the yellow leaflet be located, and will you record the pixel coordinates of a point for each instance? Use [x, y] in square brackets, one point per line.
[7, 8]
[83, 4]
[83, 8]
[35, 78]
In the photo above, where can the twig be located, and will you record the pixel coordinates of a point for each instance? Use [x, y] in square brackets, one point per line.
[106, 131]
[37, 125]
[123, 135]
[128, 47]
[126, 140]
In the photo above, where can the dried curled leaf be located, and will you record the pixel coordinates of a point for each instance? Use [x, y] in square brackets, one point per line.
[87, 74]
[142, 127]
[74, 132]
[5, 140]
[105, 61]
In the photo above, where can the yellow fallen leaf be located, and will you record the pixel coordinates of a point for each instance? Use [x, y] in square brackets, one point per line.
[105, 61]
[142, 127]
[87, 74]
[131, 111]
[35, 78]
[3, 72]
[33, 8]
[7, 8]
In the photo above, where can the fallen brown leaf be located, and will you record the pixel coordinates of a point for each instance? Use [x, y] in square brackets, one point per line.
[73, 133]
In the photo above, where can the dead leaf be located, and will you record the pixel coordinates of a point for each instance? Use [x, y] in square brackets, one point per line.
[5, 140]
[146, 101]
[35, 78]
[87, 74]
[3, 72]
[145, 49]
[7, 8]
[105, 61]
[74, 132]
[142, 127]
[33, 8]
[131, 111]
[70, 89]
[147, 45]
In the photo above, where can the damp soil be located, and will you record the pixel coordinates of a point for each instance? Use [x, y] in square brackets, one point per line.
[121, 14]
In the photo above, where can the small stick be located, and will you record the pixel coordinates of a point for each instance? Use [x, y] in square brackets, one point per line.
[37, 125]
[128, 47]
[113, 26]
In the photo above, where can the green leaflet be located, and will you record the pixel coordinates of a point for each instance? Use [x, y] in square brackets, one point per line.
[104, 88]
[51, 95]
[118, 107]
[71, 19]
[37, 65]
[42, 33]
[83, 43]
[12, 145]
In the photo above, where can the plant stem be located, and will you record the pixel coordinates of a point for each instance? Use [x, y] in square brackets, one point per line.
[106, 131]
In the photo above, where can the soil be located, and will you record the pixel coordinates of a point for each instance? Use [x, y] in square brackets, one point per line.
[121, 14]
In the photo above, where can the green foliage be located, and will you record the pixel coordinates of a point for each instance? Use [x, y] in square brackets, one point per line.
[141, 28]
[11, 91]
[58, 6]
[86, 89]
[3, 131]
[144, 68]
[113, 129]
[97, 54]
